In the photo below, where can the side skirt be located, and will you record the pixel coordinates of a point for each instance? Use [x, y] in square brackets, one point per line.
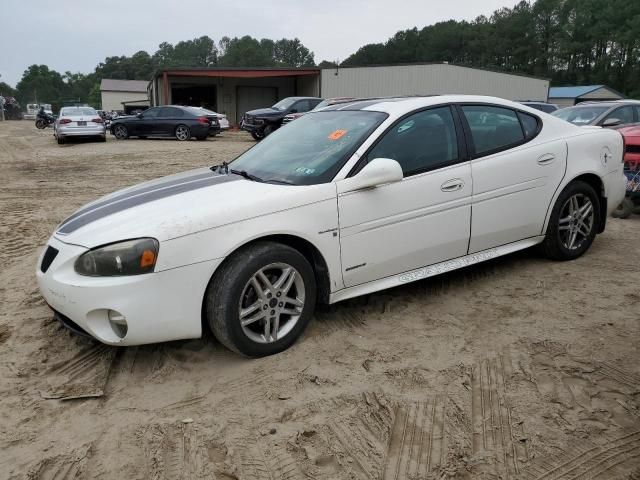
[433, 270]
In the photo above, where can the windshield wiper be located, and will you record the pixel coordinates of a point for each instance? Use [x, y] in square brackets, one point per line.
[224, 168]
[247, 175]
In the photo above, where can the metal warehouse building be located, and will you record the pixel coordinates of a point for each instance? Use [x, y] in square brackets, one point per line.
[123, 95]
[234, 91]
[569, 96]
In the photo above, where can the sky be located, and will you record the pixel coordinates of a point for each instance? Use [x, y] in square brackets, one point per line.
[75, 35]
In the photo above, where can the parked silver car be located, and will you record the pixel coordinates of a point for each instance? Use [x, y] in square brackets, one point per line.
[79, 122]
[602, 114]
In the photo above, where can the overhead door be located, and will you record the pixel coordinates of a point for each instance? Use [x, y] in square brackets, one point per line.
[250, 98]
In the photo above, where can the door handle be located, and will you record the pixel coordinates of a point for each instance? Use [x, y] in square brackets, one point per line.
[546, 159]
[452, 185]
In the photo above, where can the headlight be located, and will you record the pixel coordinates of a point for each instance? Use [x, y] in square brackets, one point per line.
[132, 257]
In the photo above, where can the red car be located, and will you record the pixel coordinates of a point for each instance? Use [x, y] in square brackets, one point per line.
[631, 134]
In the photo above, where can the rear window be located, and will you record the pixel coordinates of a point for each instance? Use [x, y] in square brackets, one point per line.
[71, 111]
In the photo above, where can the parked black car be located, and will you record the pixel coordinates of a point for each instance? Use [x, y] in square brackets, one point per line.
[167, 121]
[260, 123]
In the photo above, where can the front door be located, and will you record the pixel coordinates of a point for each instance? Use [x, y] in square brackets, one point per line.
[143, 125]
[515, 174]
[421, 220]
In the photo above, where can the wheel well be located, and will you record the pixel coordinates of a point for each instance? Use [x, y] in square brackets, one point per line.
[307, 249]
[596, 183]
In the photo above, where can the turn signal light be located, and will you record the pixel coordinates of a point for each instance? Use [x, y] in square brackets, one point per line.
[203, 120]
[97, 120]
[147, 259]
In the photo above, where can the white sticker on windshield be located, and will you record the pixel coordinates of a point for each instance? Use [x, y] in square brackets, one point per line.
[305, 171]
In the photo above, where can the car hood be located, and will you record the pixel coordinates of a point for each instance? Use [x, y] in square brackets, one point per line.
[180, 205]
[265, 112]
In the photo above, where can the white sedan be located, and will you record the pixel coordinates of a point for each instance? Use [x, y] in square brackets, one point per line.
[79, 122]
[343, 202]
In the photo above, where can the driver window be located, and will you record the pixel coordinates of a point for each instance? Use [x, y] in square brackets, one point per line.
[625, 114]
[301, 106]
[423, 141]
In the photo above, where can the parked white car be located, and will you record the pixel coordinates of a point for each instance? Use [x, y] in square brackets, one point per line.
[79, 122]
[343, 202]
[222, 119]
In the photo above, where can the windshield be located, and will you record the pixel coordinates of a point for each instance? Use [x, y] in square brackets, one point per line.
[580, 115]
[310, 150]
[71, 111]
[285, 104]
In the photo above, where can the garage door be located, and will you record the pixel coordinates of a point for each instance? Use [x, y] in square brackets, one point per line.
[250, 98]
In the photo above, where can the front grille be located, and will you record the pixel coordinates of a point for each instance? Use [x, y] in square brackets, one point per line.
[48, 258]
[633, 148]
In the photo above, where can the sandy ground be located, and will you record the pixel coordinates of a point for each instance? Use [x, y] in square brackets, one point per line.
[516, 368]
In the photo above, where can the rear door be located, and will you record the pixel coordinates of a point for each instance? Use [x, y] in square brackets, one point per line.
[167, 121]
[514, 175]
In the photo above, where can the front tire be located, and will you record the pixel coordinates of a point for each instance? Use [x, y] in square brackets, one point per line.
[121, 132]
[261, 299]
[182, 133]
[40, 124]
[573, 223]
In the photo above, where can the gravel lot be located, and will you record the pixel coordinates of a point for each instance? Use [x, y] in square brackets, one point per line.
[515, 368]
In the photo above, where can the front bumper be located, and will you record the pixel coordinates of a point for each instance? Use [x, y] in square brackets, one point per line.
[96, 130]
[158, 307]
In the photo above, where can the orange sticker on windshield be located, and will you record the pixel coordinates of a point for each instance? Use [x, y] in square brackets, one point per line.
[337, 134]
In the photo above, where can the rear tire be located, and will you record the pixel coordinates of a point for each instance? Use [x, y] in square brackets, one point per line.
[60, 140]
[40, 124]
[624, 210]
[573, 223]
[247, 287]
[120, 132]
[182, 133]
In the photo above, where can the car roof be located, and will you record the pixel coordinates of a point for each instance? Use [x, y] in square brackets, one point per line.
[611, 103]
[407, 103]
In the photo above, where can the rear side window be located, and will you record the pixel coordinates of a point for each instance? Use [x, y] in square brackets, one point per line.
[529, 125]
[492, 128]
[171, 112]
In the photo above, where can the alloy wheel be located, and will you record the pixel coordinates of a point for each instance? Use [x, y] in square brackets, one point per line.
[271, 303]
[182, 133]
[576, 221]
[120, 132]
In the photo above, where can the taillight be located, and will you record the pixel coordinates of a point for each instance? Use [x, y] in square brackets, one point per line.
[97, 120]
[203, 120]
[64, 120]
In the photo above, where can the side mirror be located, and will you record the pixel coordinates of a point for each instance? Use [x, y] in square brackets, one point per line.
[611, 122]
[139, 115]
[378, 171]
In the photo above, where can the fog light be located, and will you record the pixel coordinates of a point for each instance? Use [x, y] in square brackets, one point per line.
[118, 323]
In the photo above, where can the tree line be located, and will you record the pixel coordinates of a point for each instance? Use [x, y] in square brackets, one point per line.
[572, 42]
[45, 85]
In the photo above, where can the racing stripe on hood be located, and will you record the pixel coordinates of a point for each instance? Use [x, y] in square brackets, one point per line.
[136, 197]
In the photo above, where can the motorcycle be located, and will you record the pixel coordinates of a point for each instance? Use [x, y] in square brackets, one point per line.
[43, 120]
